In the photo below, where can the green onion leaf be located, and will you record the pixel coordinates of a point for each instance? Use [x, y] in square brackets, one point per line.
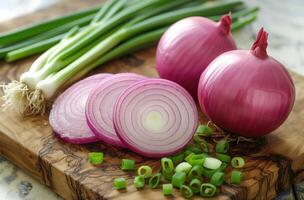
[217, 178]
[167, 189]
[236, 177]
[167, 168]
[139, 182]
[223, 157]
[144, 171]
[95, 158]
[207, 190]
[178, 179]
[195, 185]
[204, 130]
[195, 172]
[237, 162]
[127, 164]
[222, 146]
[120, 183]
[186, 191]
[183, 167]
[154, 180]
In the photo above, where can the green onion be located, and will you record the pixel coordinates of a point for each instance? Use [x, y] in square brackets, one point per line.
[236, 177]
[183, 167]
[127, 164]
[120, 183]
[209, 172]
[139, 182]
[223, 157]
[203, 130]
[207, 190]
[217, 178]
[204, 146]
[178, 179]
[95, 158]
[167, 189]
[212, 163]
[237, 162]
[194, 148]
[186, 191]
[178, 158]
[222, 167]
[144, 171]
[222, 146]
[196, 159]
[195, 172]
[195, 185]
[167, 168]
[154, 180]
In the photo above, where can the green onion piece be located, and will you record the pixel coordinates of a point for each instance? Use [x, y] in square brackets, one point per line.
[167, 189]
[188, 157]
[222, 167]
[95, 158]
[183, 167]
[207, 190]
[237, 162]
[187, 152]
[212, 163]
[120, 183]
[186, 191]
[209, 172]
[178, 179]
[139, 182]
[154, 180]
[144, 171]
[204, 146]
[197, 159]
[167, 168]
[195, 172]
[204, 130]
[194, 148]
[217, 178]
[222, 146]
[195, 185]
[178, 158]
[236, 177]
[223, 157]
[127, 164]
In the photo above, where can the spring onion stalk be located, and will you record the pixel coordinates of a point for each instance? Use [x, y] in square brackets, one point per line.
[195, 185]
[167, 168]
[197, 159]
[212, 163]
[64, 66]
[95, 158]
[183, 167]
[186, 191]
[237, 162]
[222, 167]
[144, 171]
[222, 146]
[207, 190]
[178, 158]
[154, 180]
[194, 148]
[223, 157]
[217, 178]
[209, 172]
[127, 164]
[236, 177]
[139, 182]
[178, 179]
[120, 184]
[167, 189]
[195, 172]
[204, 130]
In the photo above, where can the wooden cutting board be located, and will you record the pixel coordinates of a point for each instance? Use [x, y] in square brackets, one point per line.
[273, 163]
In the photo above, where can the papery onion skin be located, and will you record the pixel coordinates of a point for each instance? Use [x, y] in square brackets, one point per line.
[188, 46]
[177, 111]
[67, 116]
[100, 105]
[247, 92]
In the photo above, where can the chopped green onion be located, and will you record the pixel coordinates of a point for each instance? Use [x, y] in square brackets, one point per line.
[144, 171]
[167, 189]
[204, 146]
[178, 179]
[223, 157]
[183, 167]
[195, 172]
[195, 185]
[236, 177]
[209, 172]
[186, 191]
[196, 159]
[178, 158]
[237, 162]
[154, 180]
[120, 183]
[127, 164]
[194, 148]
[96, 158]
[204, 130]
[207, 190]
[167, 168]
[212, 163]
[139, 182]
[187, 152]
[222, 146]
[217, 178]
[222, 167]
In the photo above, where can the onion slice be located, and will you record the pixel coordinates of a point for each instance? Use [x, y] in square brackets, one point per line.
[67, 117]
[155, 117]
[100, 105]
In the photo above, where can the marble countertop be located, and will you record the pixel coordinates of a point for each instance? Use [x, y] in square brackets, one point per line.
[284, 20]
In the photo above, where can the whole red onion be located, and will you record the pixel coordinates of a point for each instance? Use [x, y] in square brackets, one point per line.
[247, 92]
[188, 46]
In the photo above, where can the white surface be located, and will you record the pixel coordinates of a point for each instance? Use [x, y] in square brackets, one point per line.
[284, 20]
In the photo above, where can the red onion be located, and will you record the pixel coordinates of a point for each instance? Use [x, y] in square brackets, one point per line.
[67, 117]
[247, 92]
[188, 46]
[155, 117]
[100, 105]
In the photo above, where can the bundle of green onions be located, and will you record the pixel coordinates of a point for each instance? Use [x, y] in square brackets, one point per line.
[120, 27]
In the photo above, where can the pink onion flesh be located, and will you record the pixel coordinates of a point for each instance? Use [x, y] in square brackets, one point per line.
[188, 46]
[100, 105]
[247, 92]
[67, 116]
[155, 117]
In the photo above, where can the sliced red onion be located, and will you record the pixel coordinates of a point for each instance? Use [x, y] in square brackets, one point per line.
[100, 105]
[67, 117]
[155, 117]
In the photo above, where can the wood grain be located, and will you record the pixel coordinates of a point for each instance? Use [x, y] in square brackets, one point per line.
[272, 162]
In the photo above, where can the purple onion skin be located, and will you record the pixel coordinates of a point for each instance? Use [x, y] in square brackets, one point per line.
[188, 46]
[247, 92]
